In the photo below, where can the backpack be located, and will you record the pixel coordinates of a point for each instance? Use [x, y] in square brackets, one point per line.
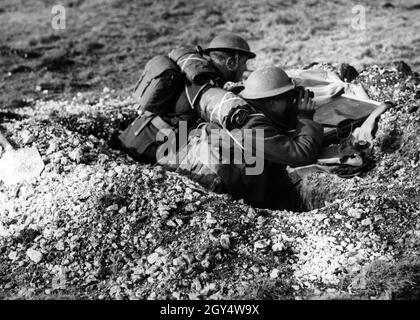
[157, 93]
[158, 86]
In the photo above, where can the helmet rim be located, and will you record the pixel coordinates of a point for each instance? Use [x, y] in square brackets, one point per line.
[266, 94]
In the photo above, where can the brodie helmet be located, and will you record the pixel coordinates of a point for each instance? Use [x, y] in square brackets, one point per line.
[230, 42]
[266, 82]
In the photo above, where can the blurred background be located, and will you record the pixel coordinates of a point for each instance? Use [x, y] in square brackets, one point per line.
[107, 43]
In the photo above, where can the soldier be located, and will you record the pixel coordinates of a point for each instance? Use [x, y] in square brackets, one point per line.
[186, 86]
[279, 107]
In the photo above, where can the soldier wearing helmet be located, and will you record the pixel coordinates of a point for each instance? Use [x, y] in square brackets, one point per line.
[182, 89]
[290, 138]
[229, 54]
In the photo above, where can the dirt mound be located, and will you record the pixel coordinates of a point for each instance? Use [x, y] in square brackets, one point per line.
[98, 225]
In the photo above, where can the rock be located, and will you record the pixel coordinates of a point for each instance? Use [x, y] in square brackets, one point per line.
[51, 148]
[27, 137]
[153, 258]
[171, 223]
[402, 67]
[355, 213]
[113, 207]
[3, 232]
[210, 287]
[225, 241]
[277, 247]
[320, 216]
[366, 222]
[274, 273]
[13, 255]
[76, 155]
[347, 72]
[123, 210]
[84, 174]
[211, 220]
[189, 208]
[261, 244]
[34, 255]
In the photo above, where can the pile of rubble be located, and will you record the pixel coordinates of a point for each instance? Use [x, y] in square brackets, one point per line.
[96, 224]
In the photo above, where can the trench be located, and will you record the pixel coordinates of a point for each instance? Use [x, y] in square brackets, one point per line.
[314, 191]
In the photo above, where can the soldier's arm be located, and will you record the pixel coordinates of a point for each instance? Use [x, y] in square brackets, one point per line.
[298, 149]
[367, 130]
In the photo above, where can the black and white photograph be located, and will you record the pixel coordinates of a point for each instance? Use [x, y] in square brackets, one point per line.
[210, 155]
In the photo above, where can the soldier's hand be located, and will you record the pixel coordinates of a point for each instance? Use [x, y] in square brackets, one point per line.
[305, 102]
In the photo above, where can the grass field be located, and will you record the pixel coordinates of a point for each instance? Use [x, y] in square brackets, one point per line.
[106, 43]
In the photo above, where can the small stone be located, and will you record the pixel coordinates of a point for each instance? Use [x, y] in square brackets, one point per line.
[366, 222]
[320, 216]
[205, 263]
[193, 296]
[274, 273]
[27, 137]
[351, 260]
[210, 287]
[171, 223]
[3, 232]
[152, 258]
[34, 255]
[277, 247]
[355, 213]
[211, 220]
[123, 210]
[113, 207]
[76, 155]
[225, 241]
[83, 174]
[13, 255]
[261, 244]
[51, 148]
[378, 217]
[189, 208]
[59, 245]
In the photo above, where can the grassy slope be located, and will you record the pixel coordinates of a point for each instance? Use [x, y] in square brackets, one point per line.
[110, 41]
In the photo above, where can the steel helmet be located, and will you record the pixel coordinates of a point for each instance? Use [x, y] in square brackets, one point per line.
[230, 41]
[266, 82]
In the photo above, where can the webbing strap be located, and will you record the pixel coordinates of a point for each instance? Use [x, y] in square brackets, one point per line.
[218, 107]
[156, 120]
[192, 101]
[234, 139]
[184, 61]
[144, 124]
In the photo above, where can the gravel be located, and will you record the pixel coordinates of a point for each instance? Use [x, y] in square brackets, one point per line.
[98, 225]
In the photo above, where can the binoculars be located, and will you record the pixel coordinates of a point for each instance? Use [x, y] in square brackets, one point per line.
[299, 89]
